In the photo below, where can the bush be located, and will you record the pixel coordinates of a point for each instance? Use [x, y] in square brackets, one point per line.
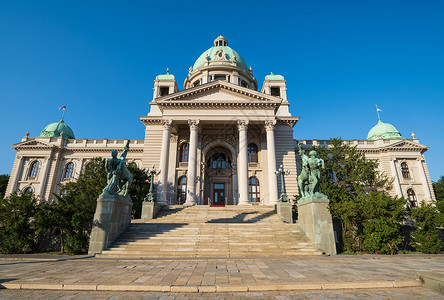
[425, 237]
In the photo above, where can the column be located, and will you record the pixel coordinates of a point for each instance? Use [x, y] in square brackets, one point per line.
[243, 163]
[271, 157]
[192, 164]
[162, 183]
[396, 182]
[45, 177]
[425, 183]
[18, 172]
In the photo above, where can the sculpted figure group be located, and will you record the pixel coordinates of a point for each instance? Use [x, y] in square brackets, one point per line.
[118, 176]
[309, 179]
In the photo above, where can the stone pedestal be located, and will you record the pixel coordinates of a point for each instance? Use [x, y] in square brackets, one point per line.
[113, 215]
[285, 211]
[315, 220]
[150, 210]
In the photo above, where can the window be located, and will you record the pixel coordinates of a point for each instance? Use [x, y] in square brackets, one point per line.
[219, 161]
[254, 194]
[182, 190]
[405, 170]
[196, 83]
[28, 190]
[164, 91]
[412, 198]
[252, 153]
[275, 91]
[184, 152]
[220, 77]
[34, 169]
[69, 171]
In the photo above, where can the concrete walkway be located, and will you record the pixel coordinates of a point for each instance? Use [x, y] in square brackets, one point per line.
[83, 273]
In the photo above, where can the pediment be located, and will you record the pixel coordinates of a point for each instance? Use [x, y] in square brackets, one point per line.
[406, 145]
[218, 93]
[32, 144]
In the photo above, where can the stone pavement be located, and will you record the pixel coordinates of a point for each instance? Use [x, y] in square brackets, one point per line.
[215, 275]
[400, 293]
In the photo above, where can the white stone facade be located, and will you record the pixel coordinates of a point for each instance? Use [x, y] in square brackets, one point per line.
[218, 141]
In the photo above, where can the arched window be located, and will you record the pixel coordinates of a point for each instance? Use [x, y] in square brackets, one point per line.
[28, 189]
[34, 170]
[405, 170]
[219, 161]
[254, 193]
[412, 198]
[69, 171]
[181, 190]
[252, 153]
[184, 152]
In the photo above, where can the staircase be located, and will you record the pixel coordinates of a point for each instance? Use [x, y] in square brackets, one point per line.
[202, 231]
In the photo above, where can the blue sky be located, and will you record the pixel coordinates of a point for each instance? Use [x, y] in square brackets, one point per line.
[339, 58]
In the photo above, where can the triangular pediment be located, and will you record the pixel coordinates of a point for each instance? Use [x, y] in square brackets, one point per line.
[218, 92]
[32, 144]
[406, 145]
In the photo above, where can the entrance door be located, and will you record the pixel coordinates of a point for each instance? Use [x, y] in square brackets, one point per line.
[219, 194]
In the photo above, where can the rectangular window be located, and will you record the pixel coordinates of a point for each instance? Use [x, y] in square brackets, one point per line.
[164, 91]
[275, 91]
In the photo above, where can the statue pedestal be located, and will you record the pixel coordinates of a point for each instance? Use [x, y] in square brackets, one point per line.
[315, 220]
[285, 211]
[113, 215]
[150, 210]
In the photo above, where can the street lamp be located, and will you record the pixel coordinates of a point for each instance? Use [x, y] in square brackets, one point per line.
[281, 172]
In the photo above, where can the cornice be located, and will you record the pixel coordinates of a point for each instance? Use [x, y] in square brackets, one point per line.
[288, 120]
[151, 120]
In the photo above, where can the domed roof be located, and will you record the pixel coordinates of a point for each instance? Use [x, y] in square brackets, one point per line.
[383, 131]
[220, 43]
[54, 130]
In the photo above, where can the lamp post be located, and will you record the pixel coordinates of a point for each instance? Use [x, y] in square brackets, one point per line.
[283, 197]
[150, 196]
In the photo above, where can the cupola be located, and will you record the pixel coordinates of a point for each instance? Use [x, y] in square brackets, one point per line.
[164, 84]
[383, 131]
[58, 129]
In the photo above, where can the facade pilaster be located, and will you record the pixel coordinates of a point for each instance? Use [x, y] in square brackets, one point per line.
[424, 181]
[271, 157]
[18, 172]
[396, 182]
[44, 177]
[242, 125]
[192, 163]
[162, 183]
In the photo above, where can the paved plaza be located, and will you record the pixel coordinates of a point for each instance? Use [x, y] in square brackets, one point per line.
[274, 278]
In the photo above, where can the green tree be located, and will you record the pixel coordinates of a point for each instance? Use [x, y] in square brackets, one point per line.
[17, 228]
[438, 188]
[3, 184]
[427, 217]
[139, 189]
[370, 218]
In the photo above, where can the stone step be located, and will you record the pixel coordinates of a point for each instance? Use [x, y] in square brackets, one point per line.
[202, 231]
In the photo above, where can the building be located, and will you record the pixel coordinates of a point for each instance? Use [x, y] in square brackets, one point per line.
[219, 140]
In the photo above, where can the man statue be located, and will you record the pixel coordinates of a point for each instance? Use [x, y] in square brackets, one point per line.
[315, 163]
[303, 178]
[310, 176]
[118, 176]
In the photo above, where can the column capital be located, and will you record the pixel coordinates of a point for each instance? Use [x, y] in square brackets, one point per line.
[242, 124]
[194, 124]
[269, 124]
[166, 124]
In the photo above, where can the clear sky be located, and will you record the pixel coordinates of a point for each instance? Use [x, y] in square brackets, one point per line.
[339, 58]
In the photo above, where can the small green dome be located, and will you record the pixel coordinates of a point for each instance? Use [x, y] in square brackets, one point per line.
[220, 43]
[166, 76]
[383, 131]
[274, 77]
[54, 130]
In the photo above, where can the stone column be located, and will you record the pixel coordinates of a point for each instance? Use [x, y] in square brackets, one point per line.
[271, 157]
[18, 172]
[192, 164]
[395, 173]
[243, 163]
[45, 177]
[425, 184]
[162, 183]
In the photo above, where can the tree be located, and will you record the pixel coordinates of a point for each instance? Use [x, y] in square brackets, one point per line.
[370, 218]
[438, 188]
[427, 217]
[3, 184]
[17, 228]
[138, 189]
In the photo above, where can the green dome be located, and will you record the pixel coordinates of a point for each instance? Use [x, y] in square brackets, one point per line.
[54, 130]
[383, 131]
[220, 43]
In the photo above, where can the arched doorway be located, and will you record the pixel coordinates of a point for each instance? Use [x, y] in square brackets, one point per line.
[218, 181]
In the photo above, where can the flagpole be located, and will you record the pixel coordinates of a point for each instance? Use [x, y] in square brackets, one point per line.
[377, 111]
[63, 114]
